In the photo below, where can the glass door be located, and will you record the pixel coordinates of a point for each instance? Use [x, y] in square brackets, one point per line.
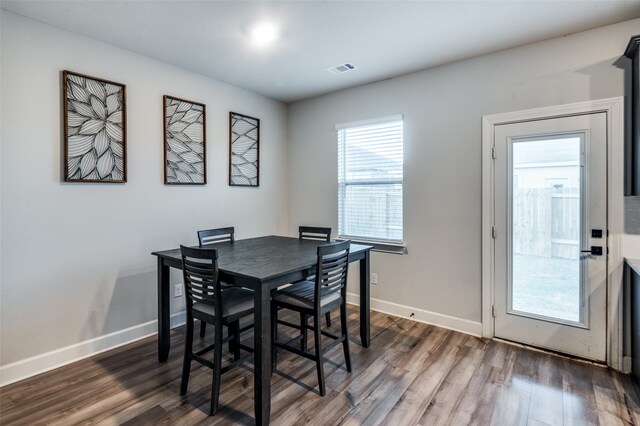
[550, 208]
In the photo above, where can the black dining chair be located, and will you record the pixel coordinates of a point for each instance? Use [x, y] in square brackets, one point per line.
[212, 236]
[328, 291]
[207, 301]
[316, 233]
[218, 235]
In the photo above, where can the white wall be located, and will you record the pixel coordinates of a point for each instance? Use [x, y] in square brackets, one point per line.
[442, 108]
[76, 261]
[75, 265]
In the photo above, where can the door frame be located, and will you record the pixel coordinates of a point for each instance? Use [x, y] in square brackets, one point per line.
[614, 109]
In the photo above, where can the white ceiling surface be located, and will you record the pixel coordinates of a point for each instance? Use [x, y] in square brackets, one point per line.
[382, 38]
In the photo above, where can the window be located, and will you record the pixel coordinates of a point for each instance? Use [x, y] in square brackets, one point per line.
[370, 180]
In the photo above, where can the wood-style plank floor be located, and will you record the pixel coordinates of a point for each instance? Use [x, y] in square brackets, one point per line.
[413, 374]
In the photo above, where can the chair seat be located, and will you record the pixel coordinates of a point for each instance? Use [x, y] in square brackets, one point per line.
[235, 302]
[302, 295]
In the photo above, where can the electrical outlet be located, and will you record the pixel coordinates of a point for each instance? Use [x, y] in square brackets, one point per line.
[177, 290]
[374, 278]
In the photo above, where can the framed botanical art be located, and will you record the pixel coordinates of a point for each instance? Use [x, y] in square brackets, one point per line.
[184, 142]
[244, 152]
[95, 129]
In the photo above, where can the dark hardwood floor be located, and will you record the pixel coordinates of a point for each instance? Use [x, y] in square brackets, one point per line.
[413, 374]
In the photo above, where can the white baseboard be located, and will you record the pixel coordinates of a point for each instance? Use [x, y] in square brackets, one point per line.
[29, 367]
[473, 328]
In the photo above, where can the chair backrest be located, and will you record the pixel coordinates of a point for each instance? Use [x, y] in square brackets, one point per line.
[200, 273]
[211, 236]
[314, 233]
[331, 273]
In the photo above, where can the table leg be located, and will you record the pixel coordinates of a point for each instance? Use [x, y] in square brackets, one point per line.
[164, 327]
[365, 323]
[262, 341]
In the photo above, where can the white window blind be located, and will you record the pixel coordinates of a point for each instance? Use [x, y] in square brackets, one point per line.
[370, 180]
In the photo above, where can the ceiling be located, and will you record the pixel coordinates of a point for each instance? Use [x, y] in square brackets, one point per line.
[382, 39]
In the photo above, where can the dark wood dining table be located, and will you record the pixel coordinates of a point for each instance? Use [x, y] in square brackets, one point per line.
[261, 264]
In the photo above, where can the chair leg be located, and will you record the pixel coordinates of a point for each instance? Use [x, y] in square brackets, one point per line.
[188, 350]
[304, 319]
[345, 336]
[328, 318]
[203, 328]
[274, 337]
[234, 342]
[319, 360]
[217, 367]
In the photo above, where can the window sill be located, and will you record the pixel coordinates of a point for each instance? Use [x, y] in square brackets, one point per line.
[380, 247]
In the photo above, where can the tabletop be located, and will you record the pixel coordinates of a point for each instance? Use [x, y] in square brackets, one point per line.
[265, 258]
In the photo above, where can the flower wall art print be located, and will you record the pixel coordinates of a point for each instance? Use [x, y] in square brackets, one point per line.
[184, 142]
[95, 129]
[244, 153]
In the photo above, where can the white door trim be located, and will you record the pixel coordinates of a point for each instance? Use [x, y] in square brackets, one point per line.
[614, 108]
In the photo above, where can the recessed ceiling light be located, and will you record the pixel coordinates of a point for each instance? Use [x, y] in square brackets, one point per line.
[263, 34]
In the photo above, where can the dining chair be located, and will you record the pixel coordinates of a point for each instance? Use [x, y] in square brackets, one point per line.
[212, 236]
[328, 291]
[218, 235]
[316, 233]
[207, 301]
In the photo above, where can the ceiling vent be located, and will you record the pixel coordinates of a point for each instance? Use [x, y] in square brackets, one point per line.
[342, 68]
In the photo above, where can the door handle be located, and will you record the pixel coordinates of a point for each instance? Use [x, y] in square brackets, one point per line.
[595, 251]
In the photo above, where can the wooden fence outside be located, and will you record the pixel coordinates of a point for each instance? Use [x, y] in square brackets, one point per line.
[546, 222]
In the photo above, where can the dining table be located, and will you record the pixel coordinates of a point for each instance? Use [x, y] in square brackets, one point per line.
[261, 264]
